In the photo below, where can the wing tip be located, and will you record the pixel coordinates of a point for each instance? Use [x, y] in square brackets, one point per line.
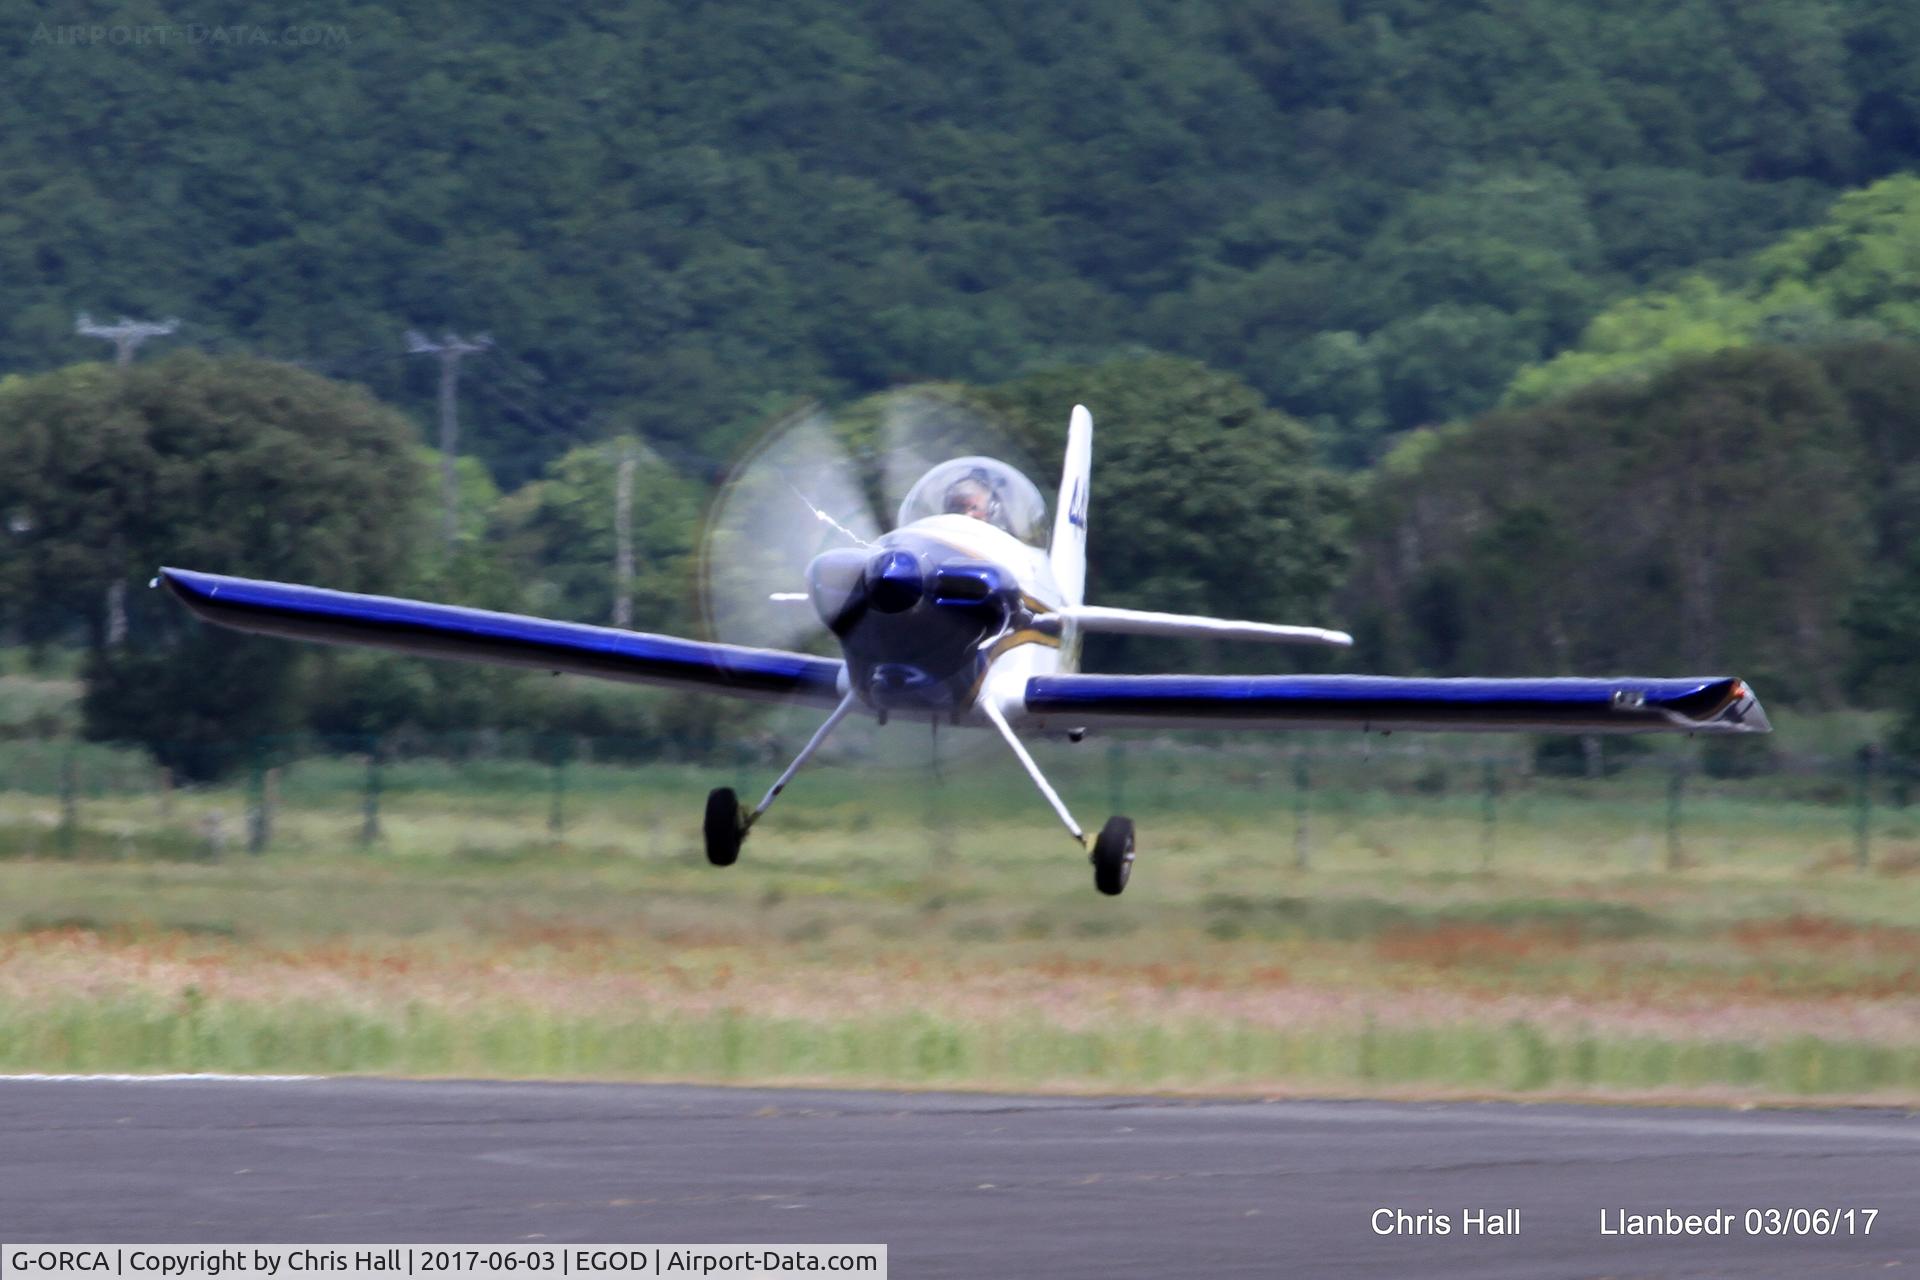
[186, 585]
[1743, 712]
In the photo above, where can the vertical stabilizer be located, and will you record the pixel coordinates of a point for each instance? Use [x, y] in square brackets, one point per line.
[1069, 552]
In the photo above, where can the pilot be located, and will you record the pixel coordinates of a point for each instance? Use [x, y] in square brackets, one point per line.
[972, 495]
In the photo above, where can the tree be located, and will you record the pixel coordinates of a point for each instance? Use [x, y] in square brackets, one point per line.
[1880, 384]
[1861, 263]
[1712, 519]
[234, 465]
[1447, 362]
[1641, 334]
[1883, 623]
[558, 533]
[1849, 278]
[1332, 382]
[829, 197]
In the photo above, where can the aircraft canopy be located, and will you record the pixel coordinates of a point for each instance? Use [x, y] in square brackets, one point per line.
[985, 488]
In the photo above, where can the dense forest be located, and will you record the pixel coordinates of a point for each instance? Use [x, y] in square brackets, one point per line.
[1520, 336]
[666, 213]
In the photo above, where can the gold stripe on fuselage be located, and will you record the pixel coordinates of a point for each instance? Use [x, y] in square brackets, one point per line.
[1014, 639]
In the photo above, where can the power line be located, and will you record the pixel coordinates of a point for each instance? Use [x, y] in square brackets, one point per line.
[534, 414]
[347, 361]
[576, 422]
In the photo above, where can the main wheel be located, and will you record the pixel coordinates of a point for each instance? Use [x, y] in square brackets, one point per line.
[723, 827]
[1113, 856]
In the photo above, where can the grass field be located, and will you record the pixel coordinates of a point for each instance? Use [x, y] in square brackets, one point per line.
[1535, 937]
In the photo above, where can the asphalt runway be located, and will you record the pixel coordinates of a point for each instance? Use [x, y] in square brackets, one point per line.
[954, 1184]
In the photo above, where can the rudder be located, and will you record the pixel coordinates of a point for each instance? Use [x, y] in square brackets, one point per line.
[1068, 554]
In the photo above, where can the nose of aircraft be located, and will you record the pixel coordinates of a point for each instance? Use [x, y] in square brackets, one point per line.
[895, 580]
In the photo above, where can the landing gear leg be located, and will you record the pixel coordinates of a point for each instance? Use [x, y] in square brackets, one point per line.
[1112, 853]
[726, 827]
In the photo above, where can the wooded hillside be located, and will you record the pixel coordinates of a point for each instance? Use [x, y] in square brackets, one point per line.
[667, 213]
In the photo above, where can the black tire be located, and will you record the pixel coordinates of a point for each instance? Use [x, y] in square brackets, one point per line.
[1113, 856]
[723, 827]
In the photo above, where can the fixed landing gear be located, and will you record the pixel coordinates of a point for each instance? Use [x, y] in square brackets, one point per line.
[1111, 852]
[724, 830]
[726, 827]
[1112, 856]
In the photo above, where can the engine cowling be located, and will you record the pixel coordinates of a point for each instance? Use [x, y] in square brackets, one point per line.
[912, 617]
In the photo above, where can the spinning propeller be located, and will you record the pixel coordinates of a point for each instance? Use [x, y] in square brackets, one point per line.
[816, 488]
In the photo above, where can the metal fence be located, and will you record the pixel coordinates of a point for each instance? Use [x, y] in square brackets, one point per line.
[1455, 803]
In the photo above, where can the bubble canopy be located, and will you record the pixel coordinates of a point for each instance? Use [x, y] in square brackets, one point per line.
[984, 488]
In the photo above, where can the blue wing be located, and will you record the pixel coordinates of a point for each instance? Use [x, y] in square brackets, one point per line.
[1626, 704]
[506, 639]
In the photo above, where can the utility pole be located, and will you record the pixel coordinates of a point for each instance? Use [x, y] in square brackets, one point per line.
[627, 453]
[126, 336]
[450, 348]
[623, 538]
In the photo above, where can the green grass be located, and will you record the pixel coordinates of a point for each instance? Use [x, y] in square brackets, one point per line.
[923, 1050]
[881, 930]
[37, 706]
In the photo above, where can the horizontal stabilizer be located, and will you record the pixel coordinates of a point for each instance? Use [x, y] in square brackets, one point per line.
[503, 639]
[1625, 704]
[1141, 622]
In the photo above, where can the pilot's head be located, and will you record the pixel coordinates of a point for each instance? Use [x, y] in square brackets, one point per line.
[972, 496]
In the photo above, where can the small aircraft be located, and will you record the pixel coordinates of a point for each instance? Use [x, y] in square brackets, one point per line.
[971, 612]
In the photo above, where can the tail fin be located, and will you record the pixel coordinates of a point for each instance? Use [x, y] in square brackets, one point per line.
[1069, 551]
